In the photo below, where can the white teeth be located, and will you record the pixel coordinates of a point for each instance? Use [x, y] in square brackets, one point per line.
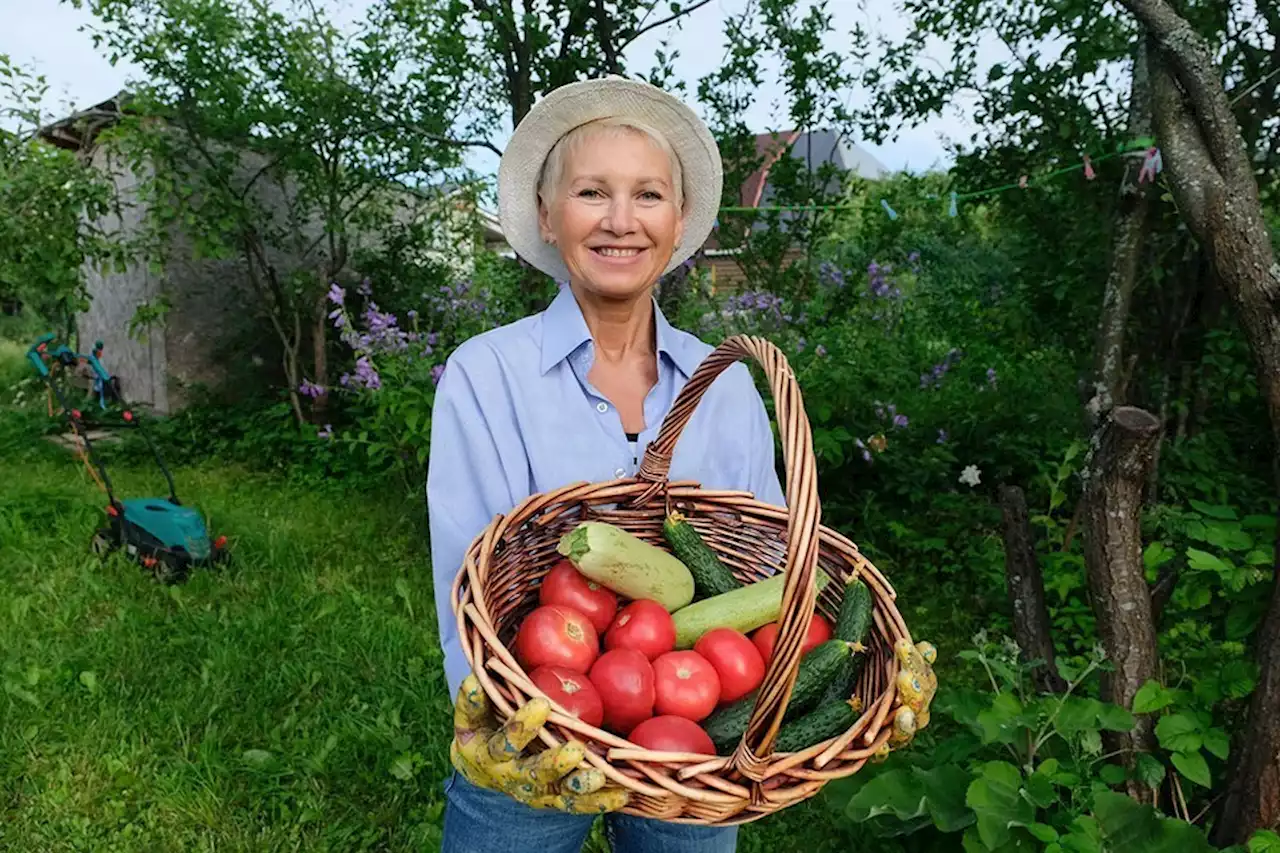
[618, 253]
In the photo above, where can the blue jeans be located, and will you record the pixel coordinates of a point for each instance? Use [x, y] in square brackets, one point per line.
[477, 820]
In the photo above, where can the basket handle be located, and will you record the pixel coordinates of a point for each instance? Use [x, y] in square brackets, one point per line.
[802, 525]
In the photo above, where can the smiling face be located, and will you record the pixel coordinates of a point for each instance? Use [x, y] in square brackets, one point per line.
[611, 203]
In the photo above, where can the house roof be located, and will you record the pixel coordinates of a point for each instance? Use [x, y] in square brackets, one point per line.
[81, 128]
[815, 147]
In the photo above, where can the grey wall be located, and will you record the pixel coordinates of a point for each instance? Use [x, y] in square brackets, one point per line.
[115, 296]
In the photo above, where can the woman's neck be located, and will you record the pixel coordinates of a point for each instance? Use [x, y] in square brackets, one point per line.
[621, 329]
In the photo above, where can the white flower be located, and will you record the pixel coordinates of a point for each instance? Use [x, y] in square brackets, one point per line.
[970, 475]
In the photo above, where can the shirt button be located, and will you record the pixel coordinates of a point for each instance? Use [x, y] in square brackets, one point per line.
[620, 472]
[602, 407]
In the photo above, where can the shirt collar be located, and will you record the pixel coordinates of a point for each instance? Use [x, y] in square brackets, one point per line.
[564, 330]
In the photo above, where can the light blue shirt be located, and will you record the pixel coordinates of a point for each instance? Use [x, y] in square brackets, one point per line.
[514, 415]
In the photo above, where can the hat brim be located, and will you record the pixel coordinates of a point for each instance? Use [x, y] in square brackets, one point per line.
[576, 104]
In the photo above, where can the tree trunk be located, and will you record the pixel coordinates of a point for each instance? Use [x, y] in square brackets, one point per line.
[1212, 179]
[1117, 474]
[1131, 226]
[1025, 586]
[320, 350]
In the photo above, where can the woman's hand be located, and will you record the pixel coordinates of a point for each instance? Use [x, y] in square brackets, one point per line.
[491, 758]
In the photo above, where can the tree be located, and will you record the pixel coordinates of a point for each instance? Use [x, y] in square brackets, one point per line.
[273, 137]
[1212, 178]
[1212, 90]
[51, 203]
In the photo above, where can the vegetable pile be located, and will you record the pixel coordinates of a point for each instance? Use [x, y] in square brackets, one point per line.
[668, 649]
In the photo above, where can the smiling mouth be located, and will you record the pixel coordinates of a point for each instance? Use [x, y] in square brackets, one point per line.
[610, 252]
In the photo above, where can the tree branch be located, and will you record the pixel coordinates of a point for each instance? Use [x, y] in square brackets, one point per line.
[605, 36]
[662, 22]
[1186, 149]
[1191, 61]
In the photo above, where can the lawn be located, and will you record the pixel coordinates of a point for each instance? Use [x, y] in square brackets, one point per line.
[293, 701]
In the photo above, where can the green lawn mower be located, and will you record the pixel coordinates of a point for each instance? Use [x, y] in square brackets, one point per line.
[161, 534]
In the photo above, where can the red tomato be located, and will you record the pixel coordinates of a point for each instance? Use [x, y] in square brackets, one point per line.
[624, 680]
[765, 637]
[672, 734]
[572, 691]
[564, 584]
[738, 662]
[557, 636]
[686, 684]
[645, 626]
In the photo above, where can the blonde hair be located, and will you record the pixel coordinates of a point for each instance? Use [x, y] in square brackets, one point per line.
[553, 167]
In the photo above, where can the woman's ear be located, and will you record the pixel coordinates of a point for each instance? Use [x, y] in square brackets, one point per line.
[544, 222]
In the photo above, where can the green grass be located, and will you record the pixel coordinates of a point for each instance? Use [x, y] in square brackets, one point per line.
[293, 701]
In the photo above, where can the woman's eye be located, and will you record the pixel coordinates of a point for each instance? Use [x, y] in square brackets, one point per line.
[589, 194]
[651, 195]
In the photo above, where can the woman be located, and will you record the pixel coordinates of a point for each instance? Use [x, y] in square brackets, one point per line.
[606, 184]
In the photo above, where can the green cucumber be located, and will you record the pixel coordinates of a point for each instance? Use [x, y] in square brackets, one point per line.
[743, 609]
[710, 576]
[726, 725]
[852, 625]
[628, 565]
[825, 721]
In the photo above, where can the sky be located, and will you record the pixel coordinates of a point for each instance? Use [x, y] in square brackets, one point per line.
[49, 35]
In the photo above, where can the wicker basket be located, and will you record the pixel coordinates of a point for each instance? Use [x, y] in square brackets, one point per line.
[505, 565]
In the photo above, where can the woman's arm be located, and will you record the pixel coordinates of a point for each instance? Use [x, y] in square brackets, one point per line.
[475, 471]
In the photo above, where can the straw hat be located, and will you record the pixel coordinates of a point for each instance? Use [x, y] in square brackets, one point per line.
[578, 103]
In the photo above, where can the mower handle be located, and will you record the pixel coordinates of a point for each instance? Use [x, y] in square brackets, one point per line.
[35, 351]
[41, 346]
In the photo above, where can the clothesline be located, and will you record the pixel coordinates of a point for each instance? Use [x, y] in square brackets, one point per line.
[1151, 165]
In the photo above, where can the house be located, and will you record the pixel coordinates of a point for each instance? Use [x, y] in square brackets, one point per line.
[813, 148]
[205, 334]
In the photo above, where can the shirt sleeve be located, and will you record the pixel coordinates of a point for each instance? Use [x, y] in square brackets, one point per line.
[474, 450]
[763, 480]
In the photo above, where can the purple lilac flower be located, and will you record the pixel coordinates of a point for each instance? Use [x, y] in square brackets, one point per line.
[436, 373]
[866, 454]
[310, 389]
[900, 421]
[991, 375]
[820, 351]
[366, 376]
[411, 314]
[364, 289]
[801, 344]
[383, 335]
[458, 298]
[831, 274]
[326, 433]
[942, 436]
[336, 295]
[935, 374]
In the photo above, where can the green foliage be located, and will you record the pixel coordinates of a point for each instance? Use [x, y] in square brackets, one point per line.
[51, 203]
[1018, 771]
[396, 359]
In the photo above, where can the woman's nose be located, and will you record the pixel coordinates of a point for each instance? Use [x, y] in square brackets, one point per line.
[620, 218]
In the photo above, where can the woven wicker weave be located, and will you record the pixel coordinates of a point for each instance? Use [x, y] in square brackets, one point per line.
[505, 565]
